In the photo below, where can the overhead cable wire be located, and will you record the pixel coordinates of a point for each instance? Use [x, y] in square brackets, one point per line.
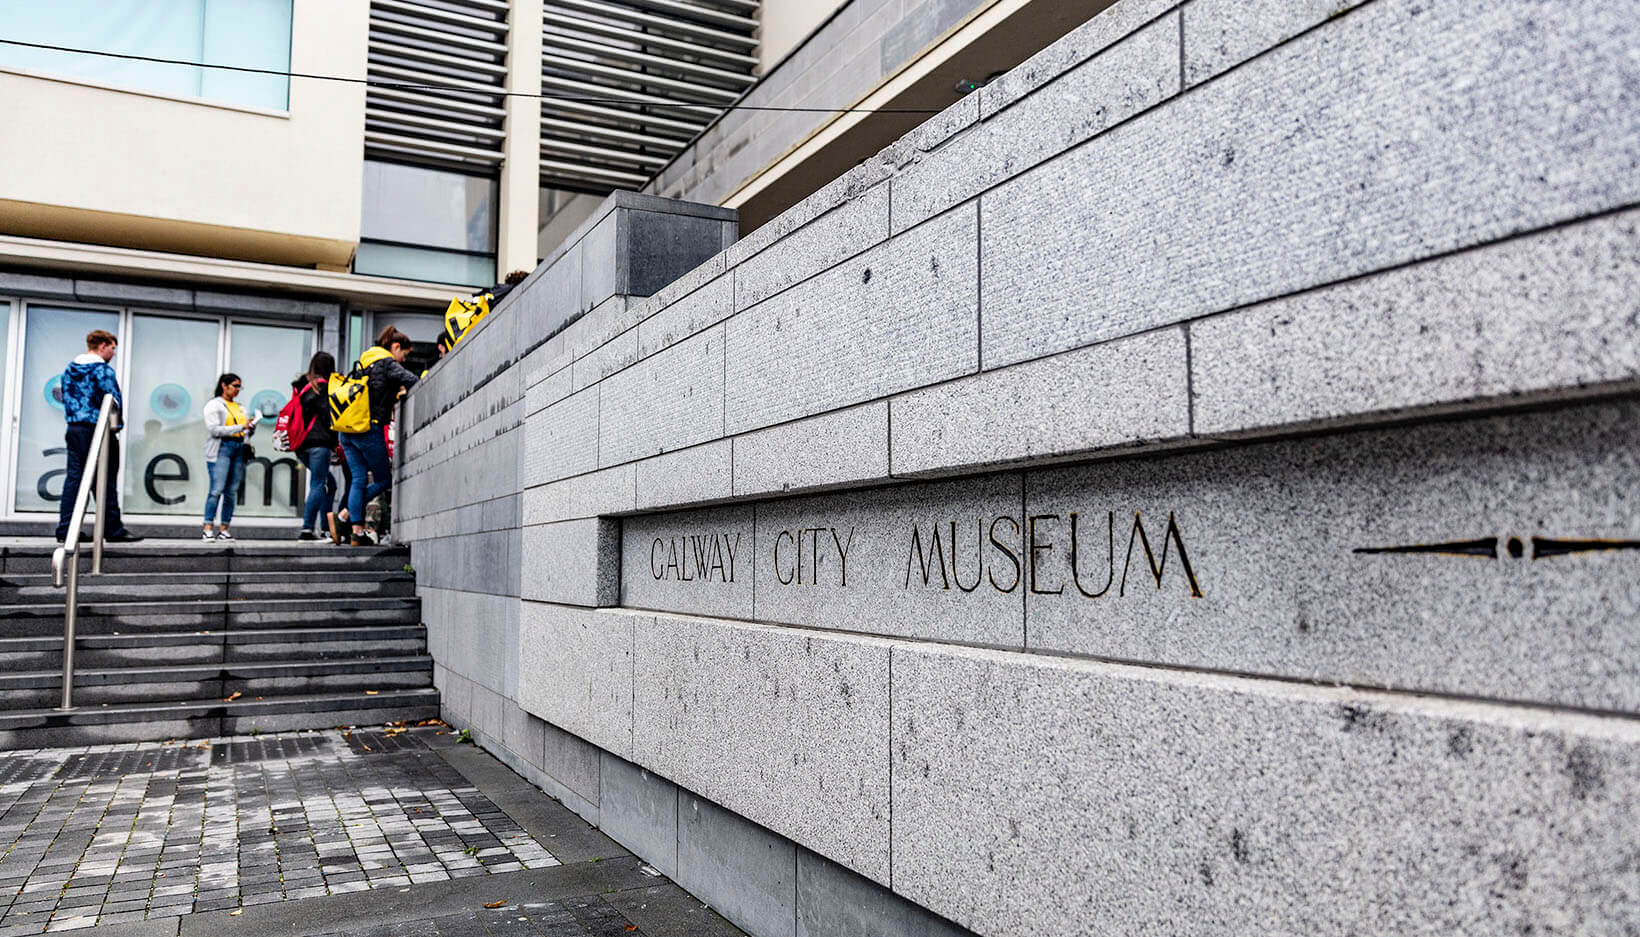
[467, 89]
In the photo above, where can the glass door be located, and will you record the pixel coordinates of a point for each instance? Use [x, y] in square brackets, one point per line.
[171, 369]
[52, 337]
[267, 359]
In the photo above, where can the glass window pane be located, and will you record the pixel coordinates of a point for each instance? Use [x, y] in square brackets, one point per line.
[172, 369]
[55, 336]
[415, 263]
[429, 207]
[267, 358]
[250, 33]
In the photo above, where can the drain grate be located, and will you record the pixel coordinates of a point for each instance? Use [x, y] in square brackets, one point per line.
[274, 748]
[139, 761]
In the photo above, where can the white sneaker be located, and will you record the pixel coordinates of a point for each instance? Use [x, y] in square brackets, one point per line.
[207, 536]
[223, 534]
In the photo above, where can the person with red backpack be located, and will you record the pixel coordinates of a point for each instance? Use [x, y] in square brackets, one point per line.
[305, 423]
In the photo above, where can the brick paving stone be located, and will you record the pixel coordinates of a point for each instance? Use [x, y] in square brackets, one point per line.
[112, 833]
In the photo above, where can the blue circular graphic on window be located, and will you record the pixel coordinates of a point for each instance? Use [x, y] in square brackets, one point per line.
[267, 404]
[170, 402]
[54, 391]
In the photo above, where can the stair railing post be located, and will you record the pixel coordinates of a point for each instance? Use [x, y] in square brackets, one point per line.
[70, 610]
[101, 484]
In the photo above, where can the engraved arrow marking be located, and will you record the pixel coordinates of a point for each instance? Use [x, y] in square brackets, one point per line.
[1543, 547]
[1485, 546]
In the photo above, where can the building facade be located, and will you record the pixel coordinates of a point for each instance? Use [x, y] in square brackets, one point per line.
[235, 184]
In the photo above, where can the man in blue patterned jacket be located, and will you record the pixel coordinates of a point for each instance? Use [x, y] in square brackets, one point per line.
[86, 381]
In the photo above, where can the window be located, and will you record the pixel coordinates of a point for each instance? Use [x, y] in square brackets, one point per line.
[243, 33]
[427, 224]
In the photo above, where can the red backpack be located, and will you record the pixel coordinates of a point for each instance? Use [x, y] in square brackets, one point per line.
[289, 430]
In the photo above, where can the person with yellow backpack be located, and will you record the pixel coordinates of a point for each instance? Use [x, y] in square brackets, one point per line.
[361, 403]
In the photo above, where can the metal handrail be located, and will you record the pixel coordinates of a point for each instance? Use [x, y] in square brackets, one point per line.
[69, 553]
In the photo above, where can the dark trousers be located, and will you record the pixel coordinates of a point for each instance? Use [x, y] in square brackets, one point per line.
[78, 440]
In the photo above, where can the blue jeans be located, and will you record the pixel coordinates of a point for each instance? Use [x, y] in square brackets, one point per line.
[321, 486]
[77, 440]
[227, 471]
[366, 453]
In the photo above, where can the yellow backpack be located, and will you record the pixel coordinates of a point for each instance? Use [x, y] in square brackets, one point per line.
[463, 314]
[350, 395]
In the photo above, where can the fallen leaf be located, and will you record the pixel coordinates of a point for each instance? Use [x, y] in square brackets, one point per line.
[631, 927]
[366, 747]
[494, 904]
[236, 912]
[371, 692]
[229, 699]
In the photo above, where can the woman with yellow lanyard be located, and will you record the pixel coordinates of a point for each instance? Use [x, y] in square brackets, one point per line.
[226, 430]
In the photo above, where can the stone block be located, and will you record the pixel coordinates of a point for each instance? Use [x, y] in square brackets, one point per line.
[839, 234]
[1420, 144]
[786, 728]
[522, 733]
[1112, 24]
[834, 902]
[917, 26]
[33, 285]
[549, 390]
[485, 720]
[701, 309]
[1244, 806]
[640, 811]
[219, 301]
[571, 761]
[562, 440]
[617, 353]
[830, 449]
[576, 671]
[1483, 558]
[689, 561]
[476, 633]
[133, 294]
[899, 316]
[602, 257]
[697, 474]
[607, 491]
[671, 400]
[1220, 35]
[572, 562]
[457, 699]
[1132, 76]
[886, 561]
[1104, 396]
[746, 873]
[662, 246]
[1538, 313]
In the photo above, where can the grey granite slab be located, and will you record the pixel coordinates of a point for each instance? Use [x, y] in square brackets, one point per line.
[786, 728]
[1174, 802]
[689, 561]
[1491, 557]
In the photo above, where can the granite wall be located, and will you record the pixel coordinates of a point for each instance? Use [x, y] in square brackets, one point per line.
[1186, 487]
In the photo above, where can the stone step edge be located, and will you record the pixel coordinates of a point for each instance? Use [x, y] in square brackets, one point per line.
[104, 676]
[215, 708]
[209, 576]
[312, 634]
[158, 607]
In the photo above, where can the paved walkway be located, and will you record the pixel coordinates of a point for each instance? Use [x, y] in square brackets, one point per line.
[364, 832]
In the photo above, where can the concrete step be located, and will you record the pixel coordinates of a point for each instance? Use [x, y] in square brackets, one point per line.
[269, 680]
[219, 647]
[34, 556]
[33, 621]
[211, 717]
[38, 589]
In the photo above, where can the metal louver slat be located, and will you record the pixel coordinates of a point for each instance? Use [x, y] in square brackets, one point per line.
[735, 80]
[626, 83]
[684, 129]
[566, 24]
[438, 79]
[643, 23]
